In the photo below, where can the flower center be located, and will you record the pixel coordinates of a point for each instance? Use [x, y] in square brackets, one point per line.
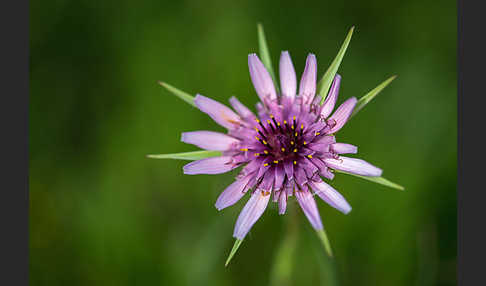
[281, 140]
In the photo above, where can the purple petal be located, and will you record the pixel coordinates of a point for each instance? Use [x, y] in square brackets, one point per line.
[342, 114]
[289, 169]
[267, 182]
[262, 81]
[331, 196]
[252, 211]
[343, 148]
[220, 113]
[242, 110]
[232, 194]
[288, 79]
[279, 176]
[214, 165]
[353, 165]
[282, 202]
[210, 140]
[307, 87]
[331, 98]
[308, 205]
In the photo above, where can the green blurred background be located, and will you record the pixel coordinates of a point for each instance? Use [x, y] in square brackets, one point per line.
[103, 214]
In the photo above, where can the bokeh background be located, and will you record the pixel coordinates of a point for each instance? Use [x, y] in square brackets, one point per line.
[103, 214]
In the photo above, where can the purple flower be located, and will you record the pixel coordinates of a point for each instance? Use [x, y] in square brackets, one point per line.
[285, 150]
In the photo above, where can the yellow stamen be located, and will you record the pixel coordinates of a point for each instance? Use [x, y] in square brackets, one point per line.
[296, 134]
[278, 123]
[283, 149]
[291, 142]
[295, 162]
[244, 149]
[271, 116]
[309, 156]
[295, 150]
[256, 137]
[256, 129]
[276, 162]
[292, 127]
[268, 121]
[302, 126]
[256, 154]
[318, 133]
[293, 117]
[266, 164]
[265, 151]
[305, 143]
[285, 121]
[257, 120]
[264, 142]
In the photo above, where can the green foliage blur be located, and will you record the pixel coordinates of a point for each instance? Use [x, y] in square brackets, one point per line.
[101, 213]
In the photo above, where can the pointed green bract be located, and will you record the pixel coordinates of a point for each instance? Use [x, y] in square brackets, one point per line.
[265, 54]
[378, 180]
[196, 155]
[179, 93]
[325, 241]
[325, 83]
[233, 251]
[370, 95]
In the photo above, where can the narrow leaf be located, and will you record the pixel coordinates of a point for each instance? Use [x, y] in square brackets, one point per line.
[325, 241]
[378, 180]
[196, 155]
[325, 83]
[233, 251]
[265, 54]
[370, 95]
[179, 93]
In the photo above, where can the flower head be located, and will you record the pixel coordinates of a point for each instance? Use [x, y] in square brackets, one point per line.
[285, 150]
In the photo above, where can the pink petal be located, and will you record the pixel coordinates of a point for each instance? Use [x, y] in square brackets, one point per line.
[262, 81]
[353, 165]
[288, 79]
[342, 114]
[232, 194]
[343, 148]
[308, 205]
[331, 98]
[210, 140]
[307, 88]
[242, 110]
[220, 113]
[252, 211]
[331, 196]
[213, 165]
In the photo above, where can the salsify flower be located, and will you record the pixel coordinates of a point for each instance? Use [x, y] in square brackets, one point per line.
[288, 148]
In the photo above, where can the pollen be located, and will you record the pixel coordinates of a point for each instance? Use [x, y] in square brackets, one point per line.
[295, 150]
[309, 156]
[265, 151]
[266, 164]
[276, 162]
[244, 149]
[295, 162]
[283, 149]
